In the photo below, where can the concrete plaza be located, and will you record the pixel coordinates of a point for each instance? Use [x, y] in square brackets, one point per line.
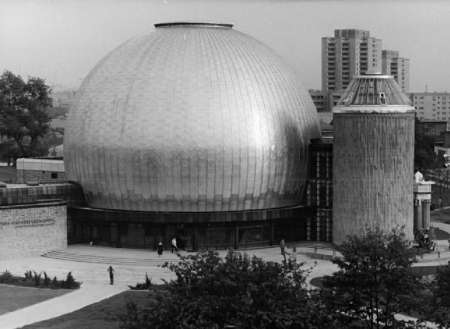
[89, 265]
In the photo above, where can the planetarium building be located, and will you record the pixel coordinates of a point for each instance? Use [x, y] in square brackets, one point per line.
[194, 131]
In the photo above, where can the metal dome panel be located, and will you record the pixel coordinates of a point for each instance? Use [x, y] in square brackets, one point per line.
[191, 117]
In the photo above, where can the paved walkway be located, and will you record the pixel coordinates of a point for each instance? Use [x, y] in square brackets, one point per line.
[95, 277]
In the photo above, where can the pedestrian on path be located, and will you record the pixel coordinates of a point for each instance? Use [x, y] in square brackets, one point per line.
[160, 249]
[283, 251]
[174, 245]
[111, 275]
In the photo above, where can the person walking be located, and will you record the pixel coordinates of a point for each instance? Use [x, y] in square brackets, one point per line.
[174, 245]
[111, 275]
[160, 249]
[283, 249]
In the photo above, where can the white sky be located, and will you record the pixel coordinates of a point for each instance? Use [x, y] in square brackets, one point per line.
[61, 40]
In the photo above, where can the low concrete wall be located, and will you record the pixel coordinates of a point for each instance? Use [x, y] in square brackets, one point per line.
[40, 170]
[33, 229]
[48, 177]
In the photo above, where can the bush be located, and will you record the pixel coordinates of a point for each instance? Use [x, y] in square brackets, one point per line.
[70, 282]
[6, 277]
[33, 279]
[28, 275]
[55, 283]
[143, 286]
[37, 279]
[239, 291]
[46, 282]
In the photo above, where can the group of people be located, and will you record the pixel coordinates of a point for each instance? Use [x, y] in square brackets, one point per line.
[424, 240]
[174, 247]
[160, 251]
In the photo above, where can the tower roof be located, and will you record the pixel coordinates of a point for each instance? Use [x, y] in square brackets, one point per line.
[374, 92]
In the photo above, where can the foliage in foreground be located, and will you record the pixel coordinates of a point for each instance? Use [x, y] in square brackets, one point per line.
[372, 287]
[237, 291]
[438, 303]
[374, 281]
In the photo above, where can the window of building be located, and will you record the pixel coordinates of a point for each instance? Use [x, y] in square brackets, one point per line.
[54, 175]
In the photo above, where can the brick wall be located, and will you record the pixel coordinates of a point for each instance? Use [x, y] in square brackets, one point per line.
[32, 230]
[25, 176]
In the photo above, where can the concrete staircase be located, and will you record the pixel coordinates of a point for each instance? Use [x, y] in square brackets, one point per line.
[111, 256]
[140, 257]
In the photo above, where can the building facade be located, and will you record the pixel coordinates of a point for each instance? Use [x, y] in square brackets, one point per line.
[349, 53]
[431, 105]
[353, 52]
[325, 100]
[398, 67]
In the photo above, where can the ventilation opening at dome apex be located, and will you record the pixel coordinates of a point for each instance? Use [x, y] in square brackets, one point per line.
[194, 24]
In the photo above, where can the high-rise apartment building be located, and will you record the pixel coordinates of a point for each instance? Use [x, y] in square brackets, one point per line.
[431, 106]
[393, 64]
[349, 53]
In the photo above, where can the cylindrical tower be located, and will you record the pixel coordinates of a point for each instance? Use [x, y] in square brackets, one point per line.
[373, 156]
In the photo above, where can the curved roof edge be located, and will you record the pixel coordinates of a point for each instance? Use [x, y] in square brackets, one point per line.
[194, 24]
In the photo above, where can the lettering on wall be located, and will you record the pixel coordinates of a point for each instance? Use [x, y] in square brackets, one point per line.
[29, 222]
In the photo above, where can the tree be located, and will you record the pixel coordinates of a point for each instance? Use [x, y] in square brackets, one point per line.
[374, 281]
[23, 117]
[424, 156]
[234, 292]
[439, 310]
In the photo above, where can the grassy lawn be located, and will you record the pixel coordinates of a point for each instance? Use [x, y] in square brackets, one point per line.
[7, 174]
[101, 315]
[14, 298]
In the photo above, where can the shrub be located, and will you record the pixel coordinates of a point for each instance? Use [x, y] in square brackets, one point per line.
[55, 282]
[37, 279]
[46, 280]
[143, 286]
[28, 275]
[70, 282]
[6, 277]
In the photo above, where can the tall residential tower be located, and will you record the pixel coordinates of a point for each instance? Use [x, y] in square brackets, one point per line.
[398, 67]
[349, 53]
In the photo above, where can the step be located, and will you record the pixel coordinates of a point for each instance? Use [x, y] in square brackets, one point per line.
[87, 258]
